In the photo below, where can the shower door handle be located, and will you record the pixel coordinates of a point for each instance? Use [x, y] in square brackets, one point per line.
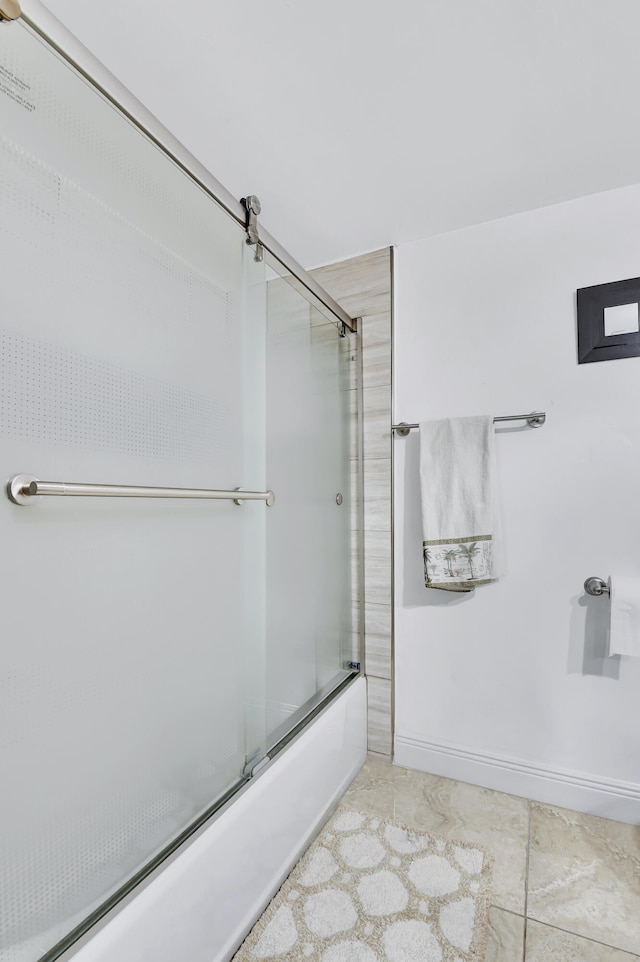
[24, 489]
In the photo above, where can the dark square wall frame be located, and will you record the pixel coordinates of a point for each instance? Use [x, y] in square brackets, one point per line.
[593, 343]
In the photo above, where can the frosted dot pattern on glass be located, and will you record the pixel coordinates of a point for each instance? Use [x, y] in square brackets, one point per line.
[55, 393]
[52, 394]
[48, 888]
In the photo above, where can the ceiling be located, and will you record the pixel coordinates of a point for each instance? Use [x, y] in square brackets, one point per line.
[362, 124]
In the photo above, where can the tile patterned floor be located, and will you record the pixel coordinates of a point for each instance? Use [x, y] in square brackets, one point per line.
[566, 886]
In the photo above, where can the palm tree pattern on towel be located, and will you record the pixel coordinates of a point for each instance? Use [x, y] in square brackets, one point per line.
[462, 562]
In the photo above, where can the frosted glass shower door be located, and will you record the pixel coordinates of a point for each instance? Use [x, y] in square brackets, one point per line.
[132, 329]
[310, 428]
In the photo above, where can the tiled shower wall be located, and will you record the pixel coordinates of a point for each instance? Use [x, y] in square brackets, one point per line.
[362, 285]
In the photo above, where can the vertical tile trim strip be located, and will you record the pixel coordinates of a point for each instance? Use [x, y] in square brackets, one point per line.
[392, 573]
[363, 285]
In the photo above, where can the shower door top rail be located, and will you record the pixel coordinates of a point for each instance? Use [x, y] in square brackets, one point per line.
[24, 489]
[36, 16]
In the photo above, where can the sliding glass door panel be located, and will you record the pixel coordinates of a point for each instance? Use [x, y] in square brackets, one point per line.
[309, 430]
[132, 332]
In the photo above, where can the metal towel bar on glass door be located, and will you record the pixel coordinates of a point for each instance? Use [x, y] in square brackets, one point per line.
[535, 420]
[25, 489]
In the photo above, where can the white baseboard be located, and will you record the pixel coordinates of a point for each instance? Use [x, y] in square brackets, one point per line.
[566, 789]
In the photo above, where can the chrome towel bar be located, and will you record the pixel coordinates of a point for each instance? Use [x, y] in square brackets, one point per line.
[535, 420]
[25, 489]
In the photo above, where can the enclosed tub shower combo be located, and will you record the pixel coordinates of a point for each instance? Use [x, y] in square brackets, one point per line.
[182, 699]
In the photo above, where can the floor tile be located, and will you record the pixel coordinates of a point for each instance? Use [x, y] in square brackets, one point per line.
[454, 810]
[584, 876]
[545, 944]
[506, 937]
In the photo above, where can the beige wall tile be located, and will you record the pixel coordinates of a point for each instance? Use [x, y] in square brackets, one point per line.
[361, 285]
[377, 567]
[377, 545]
[379, 715]
[376, 365]
[377, 422]
[376, 330]
[377, 494]
[377, 619]
[377, 589]
[377, 479]
[377, 515]
[379, 739]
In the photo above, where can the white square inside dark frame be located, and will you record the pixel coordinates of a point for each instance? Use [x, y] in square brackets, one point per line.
[622, 319]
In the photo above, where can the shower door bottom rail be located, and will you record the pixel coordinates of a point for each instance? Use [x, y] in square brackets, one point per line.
[25, 489]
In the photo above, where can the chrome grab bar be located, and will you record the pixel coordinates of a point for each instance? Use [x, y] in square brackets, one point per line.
[25, 489]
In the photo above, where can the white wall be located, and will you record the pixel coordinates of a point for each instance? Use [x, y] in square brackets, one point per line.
[510, 686]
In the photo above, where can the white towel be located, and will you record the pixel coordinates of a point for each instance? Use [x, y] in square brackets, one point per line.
[624, 627]
[460, 516]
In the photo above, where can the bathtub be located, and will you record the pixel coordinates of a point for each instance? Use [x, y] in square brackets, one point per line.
[200, 905]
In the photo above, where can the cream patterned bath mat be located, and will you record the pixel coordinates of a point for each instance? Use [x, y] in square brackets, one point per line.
[368, 890]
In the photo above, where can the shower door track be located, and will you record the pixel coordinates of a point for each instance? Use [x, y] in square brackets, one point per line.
[52, 32]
